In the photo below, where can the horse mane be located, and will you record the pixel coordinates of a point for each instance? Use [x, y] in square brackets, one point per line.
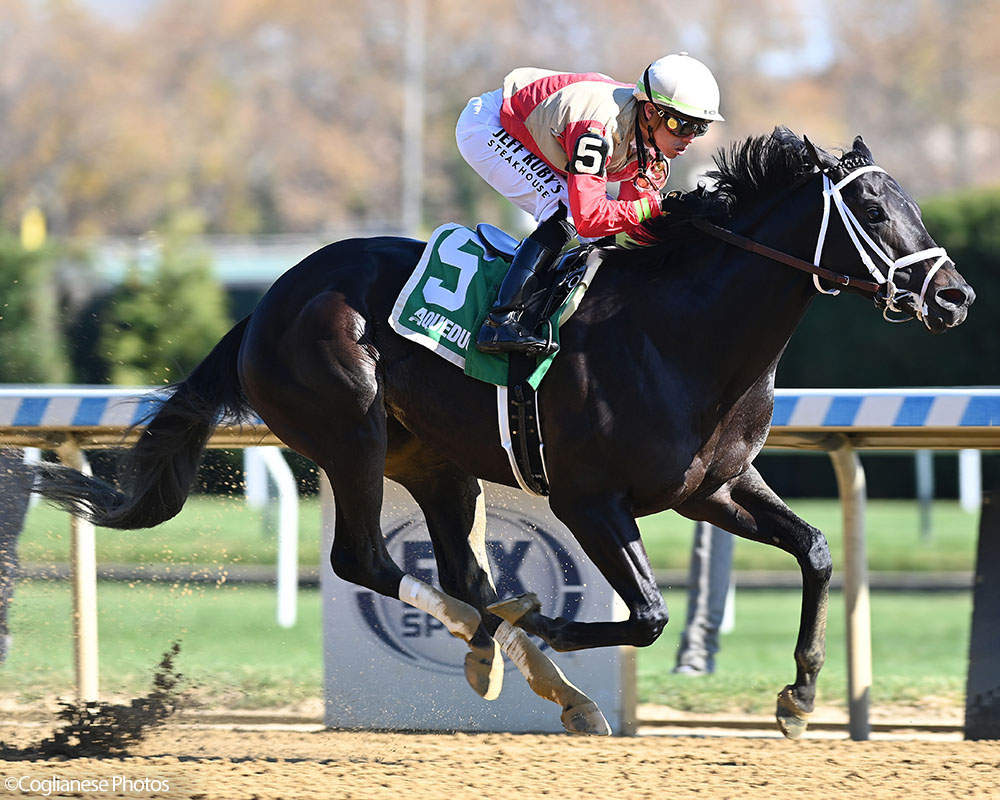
[758, 168]
[746, 173]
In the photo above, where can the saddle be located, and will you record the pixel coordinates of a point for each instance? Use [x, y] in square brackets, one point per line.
[523, 438]
[555, 283]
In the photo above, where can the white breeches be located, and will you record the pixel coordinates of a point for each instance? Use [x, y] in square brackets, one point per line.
[506, 164]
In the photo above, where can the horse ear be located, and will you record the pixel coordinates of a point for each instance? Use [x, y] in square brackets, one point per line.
[822, 159]
[862, 149]
[786, 136]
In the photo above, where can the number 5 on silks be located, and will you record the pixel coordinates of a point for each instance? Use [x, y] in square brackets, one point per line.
[589, 155]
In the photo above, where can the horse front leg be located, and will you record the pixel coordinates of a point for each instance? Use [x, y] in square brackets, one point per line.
[606, 530]
[749, 508]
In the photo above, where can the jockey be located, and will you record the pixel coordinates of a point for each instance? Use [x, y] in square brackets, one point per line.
[547, 140]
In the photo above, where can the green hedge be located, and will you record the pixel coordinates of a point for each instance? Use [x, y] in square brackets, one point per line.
[31, 344]
[160, 323]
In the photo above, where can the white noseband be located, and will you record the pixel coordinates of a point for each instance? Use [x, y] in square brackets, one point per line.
[854, 230]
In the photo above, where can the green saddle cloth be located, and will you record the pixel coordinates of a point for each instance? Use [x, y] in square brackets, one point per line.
[443, 304]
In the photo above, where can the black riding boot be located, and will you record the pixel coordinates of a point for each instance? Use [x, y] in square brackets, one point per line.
[501, 332]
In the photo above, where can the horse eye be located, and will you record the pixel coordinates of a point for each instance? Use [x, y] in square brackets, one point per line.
[874, 214]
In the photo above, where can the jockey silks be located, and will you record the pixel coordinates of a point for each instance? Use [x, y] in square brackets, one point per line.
[582, 126]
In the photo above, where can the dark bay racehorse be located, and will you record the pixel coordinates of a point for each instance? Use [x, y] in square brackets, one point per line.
[660, 398]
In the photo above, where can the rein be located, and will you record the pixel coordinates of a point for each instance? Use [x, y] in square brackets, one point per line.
[886, 292]
[736, 239]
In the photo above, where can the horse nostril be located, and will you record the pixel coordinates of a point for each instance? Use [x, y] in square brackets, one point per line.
[953, 297]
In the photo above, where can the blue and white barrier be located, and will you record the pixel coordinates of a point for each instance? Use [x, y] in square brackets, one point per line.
[73, 407]
[887, 408]
[878, 418]
[890, 419]
[96, 416]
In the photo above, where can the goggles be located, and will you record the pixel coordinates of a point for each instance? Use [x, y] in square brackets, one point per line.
[679, 126]
[652, 176]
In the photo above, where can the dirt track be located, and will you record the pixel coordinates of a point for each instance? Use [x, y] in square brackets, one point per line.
[226, 764]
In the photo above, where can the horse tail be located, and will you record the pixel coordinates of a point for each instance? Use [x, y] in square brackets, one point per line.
[156, 475]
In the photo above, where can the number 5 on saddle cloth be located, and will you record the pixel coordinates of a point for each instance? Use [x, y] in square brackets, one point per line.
[448, 296]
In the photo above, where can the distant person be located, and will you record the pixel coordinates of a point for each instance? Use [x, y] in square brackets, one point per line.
[709, 578]
[15, 491]
[548, 141]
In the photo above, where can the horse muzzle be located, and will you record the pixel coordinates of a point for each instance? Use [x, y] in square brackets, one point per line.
[948, 304]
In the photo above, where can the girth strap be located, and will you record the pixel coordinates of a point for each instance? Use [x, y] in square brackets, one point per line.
[526, 451]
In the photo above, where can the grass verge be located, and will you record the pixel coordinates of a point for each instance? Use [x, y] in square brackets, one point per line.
[219, 531]
[235, 655]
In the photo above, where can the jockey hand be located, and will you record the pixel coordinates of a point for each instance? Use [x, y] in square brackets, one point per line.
[691, 203]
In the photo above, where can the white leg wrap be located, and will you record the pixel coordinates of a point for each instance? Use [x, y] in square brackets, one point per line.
[459, 618]
[580, 713]
[512, 641]
[543, 675]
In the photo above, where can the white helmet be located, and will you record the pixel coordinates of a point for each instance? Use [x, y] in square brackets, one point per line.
[682, 84]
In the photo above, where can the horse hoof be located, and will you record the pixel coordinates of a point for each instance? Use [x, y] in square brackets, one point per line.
[513, 608]
[587, 719]
[484, 670]
[792, 720]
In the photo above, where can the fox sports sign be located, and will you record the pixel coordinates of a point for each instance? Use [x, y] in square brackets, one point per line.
[524, 556]
[376, 647]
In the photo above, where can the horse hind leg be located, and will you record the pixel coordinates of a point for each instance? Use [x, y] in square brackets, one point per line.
[450, 501]
[322, 393]
[483, 662]
[350, 446]
[454, 506]
[359, 555]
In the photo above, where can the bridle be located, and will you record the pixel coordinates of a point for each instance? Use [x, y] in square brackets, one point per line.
[886, 293]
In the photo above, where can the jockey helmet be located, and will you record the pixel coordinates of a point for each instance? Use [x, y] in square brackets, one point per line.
[682, 84]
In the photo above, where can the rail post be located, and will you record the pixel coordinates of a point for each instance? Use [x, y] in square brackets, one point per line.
[851, 483]
[982, 696]
[287, 571]
[83, 561]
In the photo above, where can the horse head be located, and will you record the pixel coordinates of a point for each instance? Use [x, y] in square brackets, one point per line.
[882, 223]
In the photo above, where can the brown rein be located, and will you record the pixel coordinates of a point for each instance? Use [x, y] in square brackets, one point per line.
[743, 242]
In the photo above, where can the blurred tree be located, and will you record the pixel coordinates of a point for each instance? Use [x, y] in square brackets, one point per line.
[919, 79]
[272, 117]
[30, 345]
[157, 325]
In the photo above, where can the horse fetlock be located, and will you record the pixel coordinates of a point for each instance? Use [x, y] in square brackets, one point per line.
[585, 718]
[646, 634]
[484, 669]
[514, 608]
[543, 675]
[810, 662]
[647, 627]
[792, 714]
[461, 619]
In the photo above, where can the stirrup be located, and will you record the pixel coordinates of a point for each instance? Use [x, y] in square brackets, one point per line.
[511, 337]
[547, 346]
